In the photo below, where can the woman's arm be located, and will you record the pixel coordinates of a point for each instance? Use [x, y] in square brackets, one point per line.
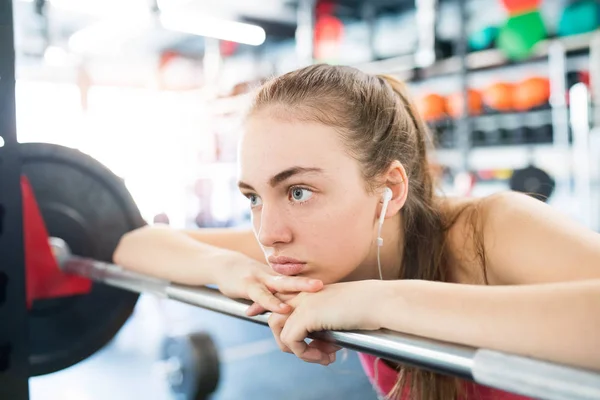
[183, 257]
[548, 304]
[558, 322]
[190, 258]
[240, 240]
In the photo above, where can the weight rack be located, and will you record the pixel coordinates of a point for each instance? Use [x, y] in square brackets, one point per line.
[14, 335]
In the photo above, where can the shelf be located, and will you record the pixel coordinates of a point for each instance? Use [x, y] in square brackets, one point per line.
[547, 156]
[514, 118]
[404, 66]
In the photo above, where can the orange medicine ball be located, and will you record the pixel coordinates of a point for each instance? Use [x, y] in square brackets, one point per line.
[454, 104]
[499, 96]
[431, 107]
[531, 93]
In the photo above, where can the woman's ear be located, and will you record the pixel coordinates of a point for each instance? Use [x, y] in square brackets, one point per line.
[397, 180]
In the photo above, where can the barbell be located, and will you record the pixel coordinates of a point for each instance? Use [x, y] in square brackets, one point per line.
[76, 211]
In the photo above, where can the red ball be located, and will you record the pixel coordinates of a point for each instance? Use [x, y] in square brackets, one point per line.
[454, 103]
[515, 7]
[531, 93]
[499, 96]
[432, 107]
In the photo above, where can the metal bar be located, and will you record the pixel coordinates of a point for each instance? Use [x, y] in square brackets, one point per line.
[582, 177]
[463, 126]
[557, 74]
[517, 374]
[14, 345]
[594, 68]
[426, 15]
[403, 348]
[368, 15]
[594, 155]
[433, 355]
[305, 48]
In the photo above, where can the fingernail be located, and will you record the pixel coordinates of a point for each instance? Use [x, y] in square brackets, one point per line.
[331, 358]
[314, 281]
[282, 305]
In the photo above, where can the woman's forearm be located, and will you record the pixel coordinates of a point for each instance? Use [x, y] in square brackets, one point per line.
[172, 255]
[555, 322]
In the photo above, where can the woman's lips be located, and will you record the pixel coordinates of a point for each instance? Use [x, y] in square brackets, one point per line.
[286, 265]
[288, 268]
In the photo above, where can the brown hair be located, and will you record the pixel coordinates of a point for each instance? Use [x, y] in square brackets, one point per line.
[378, 124]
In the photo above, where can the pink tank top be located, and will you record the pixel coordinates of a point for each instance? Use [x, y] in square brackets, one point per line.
[387, 379]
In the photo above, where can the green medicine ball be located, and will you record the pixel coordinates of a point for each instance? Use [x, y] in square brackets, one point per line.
[520, 34]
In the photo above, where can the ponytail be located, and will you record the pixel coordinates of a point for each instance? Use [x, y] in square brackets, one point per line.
[424, 254]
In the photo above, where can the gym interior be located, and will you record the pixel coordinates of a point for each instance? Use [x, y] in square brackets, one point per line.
[155, 92]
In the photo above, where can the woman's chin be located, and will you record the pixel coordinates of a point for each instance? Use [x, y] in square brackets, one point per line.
[327, 277]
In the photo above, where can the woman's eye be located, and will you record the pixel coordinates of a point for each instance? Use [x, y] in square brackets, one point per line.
[254, 200]
[300, 194]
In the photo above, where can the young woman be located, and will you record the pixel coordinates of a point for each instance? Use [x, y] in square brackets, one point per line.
[320, 147]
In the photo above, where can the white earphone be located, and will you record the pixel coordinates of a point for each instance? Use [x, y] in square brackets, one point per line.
[387, 196]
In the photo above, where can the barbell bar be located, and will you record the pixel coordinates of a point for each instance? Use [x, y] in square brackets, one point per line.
[512, 373]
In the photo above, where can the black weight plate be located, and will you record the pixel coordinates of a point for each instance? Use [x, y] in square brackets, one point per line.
[193, 369]
[534, 182]
[208, 373]
[85, 204]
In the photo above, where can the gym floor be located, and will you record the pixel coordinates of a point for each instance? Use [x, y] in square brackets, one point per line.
[252, 366]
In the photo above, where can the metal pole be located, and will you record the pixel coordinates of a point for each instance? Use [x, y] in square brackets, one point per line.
[305, 47]
[368, 14]
[14, 334]
[426, 13]
[595, 77]
[579, 113]
[212, 62]
[463, 124]
[595, 132]
[557, 73]
[517, 374]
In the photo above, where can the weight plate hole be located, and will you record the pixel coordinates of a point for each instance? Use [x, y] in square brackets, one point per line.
[4, 357]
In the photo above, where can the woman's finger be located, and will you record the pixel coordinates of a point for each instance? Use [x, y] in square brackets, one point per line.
[259, 293]
[326, 348]
[255, 309]
[276, 323]
[285, 297]
[292, 284]
[293, 336]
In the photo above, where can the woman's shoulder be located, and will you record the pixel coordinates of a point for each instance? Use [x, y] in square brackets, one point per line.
[459, 212]
[463, 212]
[464, 218]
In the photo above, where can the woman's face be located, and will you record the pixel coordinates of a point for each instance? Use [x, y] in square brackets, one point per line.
[311, 212]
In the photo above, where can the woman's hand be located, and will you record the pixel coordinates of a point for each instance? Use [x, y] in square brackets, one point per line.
[340, 306]
[251, 280]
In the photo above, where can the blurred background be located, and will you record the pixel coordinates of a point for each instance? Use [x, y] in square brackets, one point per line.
[155, 90]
